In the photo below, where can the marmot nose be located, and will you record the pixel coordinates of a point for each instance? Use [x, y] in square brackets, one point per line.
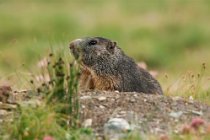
[71, 46]
[74, 43]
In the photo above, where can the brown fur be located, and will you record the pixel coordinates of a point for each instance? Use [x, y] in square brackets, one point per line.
[89, 80]
[86, 81]
[105, 82]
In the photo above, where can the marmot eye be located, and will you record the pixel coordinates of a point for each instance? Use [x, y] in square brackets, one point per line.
[92, 42]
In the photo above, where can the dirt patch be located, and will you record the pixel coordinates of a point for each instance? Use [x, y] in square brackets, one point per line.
[148, 113]
[154, 114]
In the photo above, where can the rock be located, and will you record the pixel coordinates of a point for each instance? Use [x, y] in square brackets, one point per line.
[176, 98]
[83, 106]
[7, 106]
[132, 100]
[199, 113]
[101, 98]
[176, 114]
[87, 123]
[85, 97]
[3, 112]
[116, 128]
[101, 106]
[191, 99]
[117, 125]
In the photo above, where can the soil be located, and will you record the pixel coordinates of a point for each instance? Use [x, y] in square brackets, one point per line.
[146, 113]
[155, 114]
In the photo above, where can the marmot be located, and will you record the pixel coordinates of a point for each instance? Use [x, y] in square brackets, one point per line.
[104, 66]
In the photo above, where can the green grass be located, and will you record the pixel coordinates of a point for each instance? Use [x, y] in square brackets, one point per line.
[171, 36]
[57, 113]
[156, 32]
[190, 85]
[35, 123]
[38, 122]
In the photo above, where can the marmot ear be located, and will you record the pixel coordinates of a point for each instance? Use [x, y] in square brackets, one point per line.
[112, 45]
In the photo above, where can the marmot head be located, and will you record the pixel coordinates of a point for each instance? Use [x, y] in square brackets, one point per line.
[95, 51]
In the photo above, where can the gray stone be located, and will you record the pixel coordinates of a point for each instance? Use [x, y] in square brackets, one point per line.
[117, 125]
[116, 128]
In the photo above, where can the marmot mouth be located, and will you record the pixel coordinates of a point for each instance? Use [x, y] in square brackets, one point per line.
[76, 53]
[74, 48]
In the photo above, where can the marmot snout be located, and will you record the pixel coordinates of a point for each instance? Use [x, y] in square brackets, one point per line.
[104, 66]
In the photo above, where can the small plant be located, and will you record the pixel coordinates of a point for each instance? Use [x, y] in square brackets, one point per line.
[62, 88]
[57, 114]
[34, 123]
[190, 85]
[197, 129]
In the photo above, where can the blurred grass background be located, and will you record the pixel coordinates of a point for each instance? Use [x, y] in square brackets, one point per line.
[172, 36]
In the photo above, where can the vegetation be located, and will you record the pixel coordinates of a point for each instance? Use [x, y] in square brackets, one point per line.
[172, 37]
[165, 34]
[57, 114]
